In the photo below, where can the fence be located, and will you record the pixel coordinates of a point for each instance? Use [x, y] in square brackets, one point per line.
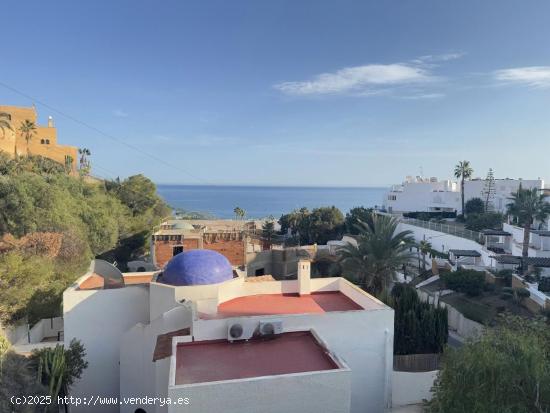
[446, 228]
[416, 362]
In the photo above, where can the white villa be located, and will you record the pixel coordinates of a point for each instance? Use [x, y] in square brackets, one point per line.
[422, 194]
[204, 332]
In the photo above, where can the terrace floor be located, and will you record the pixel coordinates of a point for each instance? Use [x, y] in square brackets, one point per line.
[217, 360]
[271, 304]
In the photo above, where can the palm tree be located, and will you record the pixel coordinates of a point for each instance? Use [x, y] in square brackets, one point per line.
[379, 253]
[424, 247]
[238, 212]
[527, 205]
[84, 153]
[5, 122]
[27, 129]
[463, 171]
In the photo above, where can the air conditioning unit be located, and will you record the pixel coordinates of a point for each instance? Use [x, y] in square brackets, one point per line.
[240, 331]
[271, 327]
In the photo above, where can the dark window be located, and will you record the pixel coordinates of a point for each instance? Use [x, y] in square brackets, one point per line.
[177, 250]
[47, 141]
[42, 141]
[260, 271]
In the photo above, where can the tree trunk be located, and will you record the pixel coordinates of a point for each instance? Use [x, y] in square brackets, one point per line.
[462, 194]
[525, 247]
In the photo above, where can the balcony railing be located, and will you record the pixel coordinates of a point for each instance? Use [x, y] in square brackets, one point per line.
[446, 228]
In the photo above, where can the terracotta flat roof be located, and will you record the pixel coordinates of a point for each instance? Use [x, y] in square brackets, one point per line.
[207, 361]
[268, 304]
[95, 281]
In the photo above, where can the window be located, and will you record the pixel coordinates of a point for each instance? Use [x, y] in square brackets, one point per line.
[42, 141]
[178, 249]
[47, 141]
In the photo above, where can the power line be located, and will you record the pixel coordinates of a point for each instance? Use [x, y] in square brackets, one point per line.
[99, 131]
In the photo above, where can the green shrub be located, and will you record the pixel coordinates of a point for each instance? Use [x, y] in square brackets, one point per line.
[419, 327]
[522, 293]
[544, 284]
[489, 287]
[470, 282]
[477, 222]
[474, 206]
[506, 296]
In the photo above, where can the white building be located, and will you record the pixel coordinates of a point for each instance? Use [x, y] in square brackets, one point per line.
[422, 194]
[303, 345]
[432, 195]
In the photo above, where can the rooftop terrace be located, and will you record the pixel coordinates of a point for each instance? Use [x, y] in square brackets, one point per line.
[208, 361]
[271, 304]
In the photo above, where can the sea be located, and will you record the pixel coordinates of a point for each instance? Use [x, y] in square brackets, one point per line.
[265, 201]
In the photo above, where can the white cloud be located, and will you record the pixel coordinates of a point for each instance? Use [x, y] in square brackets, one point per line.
[120, 113]
[424, 96]
[439, 57]
[368, 79]
[532, 76]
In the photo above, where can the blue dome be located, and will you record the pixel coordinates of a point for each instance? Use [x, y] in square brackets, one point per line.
[197, 267]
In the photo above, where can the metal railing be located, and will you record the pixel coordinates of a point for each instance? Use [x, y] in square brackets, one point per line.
[445, 228]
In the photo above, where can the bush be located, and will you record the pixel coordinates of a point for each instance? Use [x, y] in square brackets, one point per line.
[544, 284]
[506, 369]
[426, 216]
[478, 222]
[474, 206]
[522, 293]
[420, 328]
[505, 276]
[489, 287]
[470, 282]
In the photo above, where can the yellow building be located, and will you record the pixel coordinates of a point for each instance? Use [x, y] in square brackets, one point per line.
[43, 141]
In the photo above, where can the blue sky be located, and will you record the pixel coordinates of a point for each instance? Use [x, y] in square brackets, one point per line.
[356, 93]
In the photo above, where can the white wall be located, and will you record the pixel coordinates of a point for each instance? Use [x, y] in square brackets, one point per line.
[314, 392]
[139, 375]
[423, 196]
[411, 388]
[503, 189]
[443, 242]
[98, 318]
[363, 339]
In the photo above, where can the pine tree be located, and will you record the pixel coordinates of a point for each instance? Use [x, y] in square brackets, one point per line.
[488, 193]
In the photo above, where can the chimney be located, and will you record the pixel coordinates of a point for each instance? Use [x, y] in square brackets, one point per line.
[50, 122]
[304, 277]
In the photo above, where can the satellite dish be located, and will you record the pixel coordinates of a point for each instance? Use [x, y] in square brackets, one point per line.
[112, 277]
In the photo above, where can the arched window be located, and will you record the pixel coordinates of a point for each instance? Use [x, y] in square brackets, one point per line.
[47, 141]
[42, 141]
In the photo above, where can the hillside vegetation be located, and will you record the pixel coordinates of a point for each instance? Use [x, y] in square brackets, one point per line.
[52, 224]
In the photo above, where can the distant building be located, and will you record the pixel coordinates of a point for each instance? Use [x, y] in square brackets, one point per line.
[229, 343]
[43, 141]
[421, 194]
[232, 238]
